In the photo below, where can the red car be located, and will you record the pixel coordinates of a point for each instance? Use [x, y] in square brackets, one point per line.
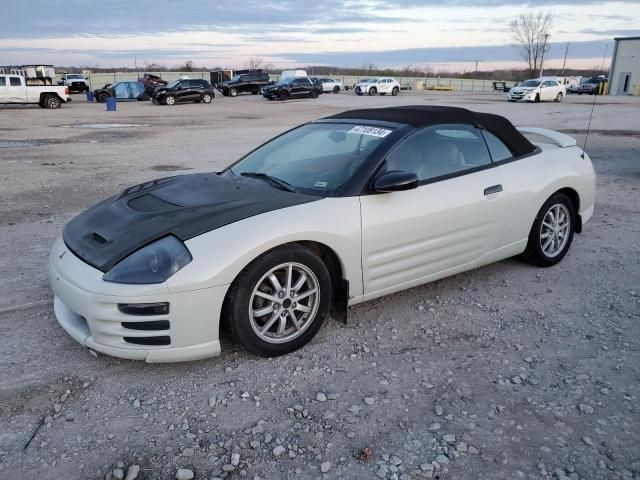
[152, 81]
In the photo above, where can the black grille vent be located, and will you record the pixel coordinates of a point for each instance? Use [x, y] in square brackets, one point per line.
[153, 341]
[150, 325]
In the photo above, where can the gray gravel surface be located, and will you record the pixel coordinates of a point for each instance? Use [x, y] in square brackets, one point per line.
[508, 371]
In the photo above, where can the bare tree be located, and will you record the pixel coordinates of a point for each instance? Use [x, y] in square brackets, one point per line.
[255, 63]
[531, 32]
[188, 66]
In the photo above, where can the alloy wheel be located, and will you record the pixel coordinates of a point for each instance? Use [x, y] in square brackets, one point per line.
[284, 303]
[554, 230]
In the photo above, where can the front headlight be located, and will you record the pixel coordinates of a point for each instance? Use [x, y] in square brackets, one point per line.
[154, 263]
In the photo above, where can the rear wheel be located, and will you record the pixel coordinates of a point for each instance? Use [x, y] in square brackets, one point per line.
[537, 99]
[373, 91]
[52, 102]
[552, 232]
[336, 89]
[395, 91]
[102, 97]
[170, 100]
[206, 98]
[313, 94]
[279, 301]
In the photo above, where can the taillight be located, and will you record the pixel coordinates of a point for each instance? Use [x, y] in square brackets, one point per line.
[66, 90]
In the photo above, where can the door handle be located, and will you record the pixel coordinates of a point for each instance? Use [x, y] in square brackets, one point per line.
[493, 189]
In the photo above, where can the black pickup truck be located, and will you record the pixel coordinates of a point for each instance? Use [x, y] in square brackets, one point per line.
[244, 83]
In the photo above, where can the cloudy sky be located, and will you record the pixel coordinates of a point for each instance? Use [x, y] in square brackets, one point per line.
[443, 34]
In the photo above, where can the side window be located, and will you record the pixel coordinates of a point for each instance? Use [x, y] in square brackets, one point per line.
[440, 150]
[14, 81]
[3, 81]
[497, 149]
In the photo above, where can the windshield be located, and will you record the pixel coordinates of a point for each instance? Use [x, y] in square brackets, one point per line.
[371, 80]
[316, 158]
[236, 78]
[531, 83]
[75, 76]
[173, 84]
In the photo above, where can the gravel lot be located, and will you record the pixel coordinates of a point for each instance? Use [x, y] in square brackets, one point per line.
[507, 372]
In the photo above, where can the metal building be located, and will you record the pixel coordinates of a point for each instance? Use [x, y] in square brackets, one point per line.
[624, 75]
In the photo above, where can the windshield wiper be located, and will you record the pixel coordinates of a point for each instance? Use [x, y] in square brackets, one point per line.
[276, 182]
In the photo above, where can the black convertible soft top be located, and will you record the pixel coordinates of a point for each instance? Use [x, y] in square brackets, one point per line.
[424, 116]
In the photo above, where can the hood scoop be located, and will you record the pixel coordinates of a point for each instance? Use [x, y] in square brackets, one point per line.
[150, 203]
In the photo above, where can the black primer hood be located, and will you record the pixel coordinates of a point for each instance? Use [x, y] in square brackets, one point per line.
[184, 206]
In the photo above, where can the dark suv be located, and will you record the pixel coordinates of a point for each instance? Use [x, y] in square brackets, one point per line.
[244, 83]
[184, 90]
[292, 87]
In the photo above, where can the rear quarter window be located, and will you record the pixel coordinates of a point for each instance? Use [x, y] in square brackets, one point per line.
[3, 81]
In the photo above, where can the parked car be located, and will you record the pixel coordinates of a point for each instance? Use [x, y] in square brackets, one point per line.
[291, 87]
[593, 85]
[318, 84]
[377, 85]
[75, 81]
[184, 90]
[422, 193]
[123, 91]
[537, 90]
[331, 85]
[13, 89]
[575, 87]
[152, 81]
[244, 83]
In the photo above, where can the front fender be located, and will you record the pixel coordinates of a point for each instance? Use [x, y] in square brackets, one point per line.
[221, 254]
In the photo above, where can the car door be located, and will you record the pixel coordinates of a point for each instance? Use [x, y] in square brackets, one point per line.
[4, 90]
[547, 92]
[445, 225]
[185, 91]
[16, 90]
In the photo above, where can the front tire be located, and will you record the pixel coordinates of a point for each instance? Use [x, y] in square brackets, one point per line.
[170, 100]
[102, 97]
[558, 97]
[283, 95]
[233, 92]
[313, 94]
[336, 89]
[552, 232]
[279, 301]
[373, 91]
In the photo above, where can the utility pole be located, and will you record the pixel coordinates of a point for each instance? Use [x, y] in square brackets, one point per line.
[566, 52]
[544, 47]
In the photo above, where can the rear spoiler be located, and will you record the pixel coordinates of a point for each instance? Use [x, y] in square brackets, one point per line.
[558, 138]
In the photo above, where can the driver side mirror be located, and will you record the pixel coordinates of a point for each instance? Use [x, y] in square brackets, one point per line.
[396, 181]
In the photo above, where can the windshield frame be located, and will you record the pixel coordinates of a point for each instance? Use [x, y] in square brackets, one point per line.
[173, 84]
[355, 185]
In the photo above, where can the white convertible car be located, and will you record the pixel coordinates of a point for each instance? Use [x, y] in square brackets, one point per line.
[329, 214]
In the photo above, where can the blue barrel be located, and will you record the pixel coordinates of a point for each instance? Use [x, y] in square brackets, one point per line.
[111, 104]
[90, 96]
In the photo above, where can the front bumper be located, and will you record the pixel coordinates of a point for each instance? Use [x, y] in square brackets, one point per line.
[87, 309]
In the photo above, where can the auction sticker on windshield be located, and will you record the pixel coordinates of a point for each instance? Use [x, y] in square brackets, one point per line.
[372, 131]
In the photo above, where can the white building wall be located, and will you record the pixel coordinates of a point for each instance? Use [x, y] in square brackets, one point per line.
[626, 59]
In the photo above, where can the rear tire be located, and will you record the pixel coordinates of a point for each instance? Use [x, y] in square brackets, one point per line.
[537, 99]
[552, 232]
[52, 102]
[395, 91]
[102, 97]
[336, 89]
[262, 290]
[206, 98]
[313, 94]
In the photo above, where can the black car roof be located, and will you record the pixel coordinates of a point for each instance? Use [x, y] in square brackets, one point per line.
[420, 116]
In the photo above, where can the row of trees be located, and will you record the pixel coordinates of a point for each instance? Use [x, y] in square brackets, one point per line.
[531, 33]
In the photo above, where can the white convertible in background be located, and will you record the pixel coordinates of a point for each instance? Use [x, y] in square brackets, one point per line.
[329, 214]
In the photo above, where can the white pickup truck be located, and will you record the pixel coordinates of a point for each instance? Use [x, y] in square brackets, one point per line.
[13, 89]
